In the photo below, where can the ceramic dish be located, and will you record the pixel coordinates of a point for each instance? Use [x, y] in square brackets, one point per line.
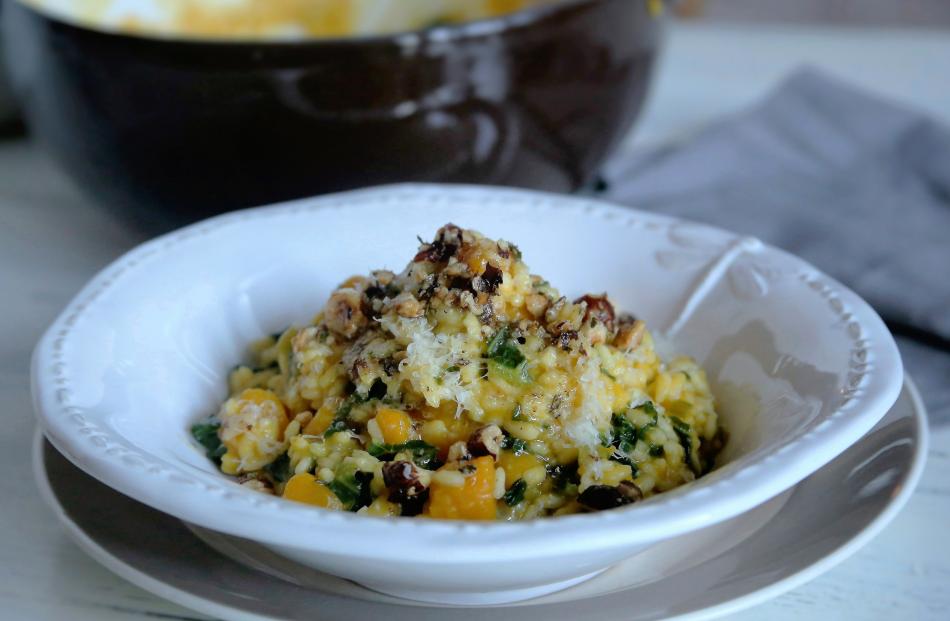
[7, 105]
[538, 98]
[801, 368]
[818, 523]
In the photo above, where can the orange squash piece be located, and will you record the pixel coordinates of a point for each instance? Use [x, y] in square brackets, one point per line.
[395, 425]
[473, 500]
[305, 488]
[516, 465]
[320, 422]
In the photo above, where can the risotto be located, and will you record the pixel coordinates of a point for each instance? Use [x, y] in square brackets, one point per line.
[464, 388]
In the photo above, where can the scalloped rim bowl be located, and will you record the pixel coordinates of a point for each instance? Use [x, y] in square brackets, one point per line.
[800, 365]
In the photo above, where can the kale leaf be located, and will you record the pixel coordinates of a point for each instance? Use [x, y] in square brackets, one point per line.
[279, 469]
[206, 434]
[352, 487]
[682, 430]
[503, 350]
[516, 445]
[516, 494]
[424, 455]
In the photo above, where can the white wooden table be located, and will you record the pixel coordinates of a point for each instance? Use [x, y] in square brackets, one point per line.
[52, 240]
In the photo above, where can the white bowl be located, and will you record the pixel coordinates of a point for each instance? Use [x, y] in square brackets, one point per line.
[801, 368]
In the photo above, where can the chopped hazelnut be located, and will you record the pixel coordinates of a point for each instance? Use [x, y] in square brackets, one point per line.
[485, 441]
[600, 497]
[406, 476]
[407, 305]
[536, 304]
[344, 314]
[630, 334]
[459, 452]
[598, 308]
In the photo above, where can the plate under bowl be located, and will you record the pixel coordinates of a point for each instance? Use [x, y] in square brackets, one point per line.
[801, 368]
[822, 521]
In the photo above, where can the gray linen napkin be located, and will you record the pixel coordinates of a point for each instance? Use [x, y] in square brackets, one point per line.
[858, 186]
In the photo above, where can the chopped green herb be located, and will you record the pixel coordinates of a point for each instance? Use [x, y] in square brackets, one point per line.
[453, 369]
[619, 457]
[710, 449]
[624, 459]
[679, 425]
[342, 413]
[564, 476]
[623, 430]
[682, 430]
[516, 494]
[279, 469]
[424, 455]
[624, 438]
[376, 391]
[515, 376]
[648, 407]
[608, 374]
[657, 450]
[642, 431]
[352, 488]
[515, 250]
[206, 434]
[503, 350]
[338, 425]
[516, 445]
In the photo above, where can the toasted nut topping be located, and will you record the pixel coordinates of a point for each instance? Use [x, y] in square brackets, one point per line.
[256, 484]
[459, 452]
[383, 277]
[600, 497]
[564, 339]
[630, 491]
[536, 304]
[406, 476]
[489, 281]
[447, 242]
[485, 441]
[630, 334]
[344, 314]
[407, 305]
[599, 308]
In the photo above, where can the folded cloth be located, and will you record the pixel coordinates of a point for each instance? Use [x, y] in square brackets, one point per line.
[858, 186]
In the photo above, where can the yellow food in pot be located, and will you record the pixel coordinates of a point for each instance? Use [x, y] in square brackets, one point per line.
[276, 19]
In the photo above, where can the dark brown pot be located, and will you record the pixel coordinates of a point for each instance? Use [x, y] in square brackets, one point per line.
[176, 130]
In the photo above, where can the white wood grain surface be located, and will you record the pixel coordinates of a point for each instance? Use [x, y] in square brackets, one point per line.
[52, 240]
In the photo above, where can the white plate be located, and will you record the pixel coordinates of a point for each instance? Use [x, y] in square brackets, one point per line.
[800, 366]
[819, 523]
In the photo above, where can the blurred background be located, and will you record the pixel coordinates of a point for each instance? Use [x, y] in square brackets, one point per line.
[914, 13]
[266, 102]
